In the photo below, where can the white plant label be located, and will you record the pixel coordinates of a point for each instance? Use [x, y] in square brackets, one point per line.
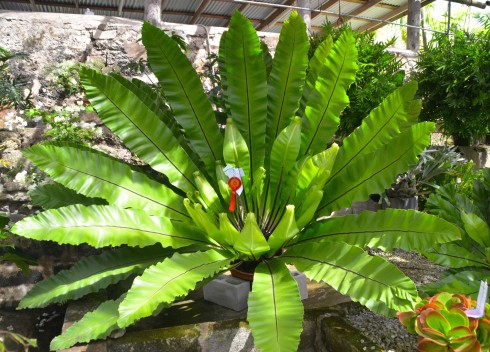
[479, 311]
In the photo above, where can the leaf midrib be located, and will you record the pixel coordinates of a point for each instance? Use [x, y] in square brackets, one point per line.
[120, 186]
[336, 266]
[328, 103]
[145, 301]
[485, 264]
[130, 266]
[362, 148]
[129, 228]
[196, 118]
[273, 287]
[286, 86]
[370, 177]
[395, 231]
[147, 136]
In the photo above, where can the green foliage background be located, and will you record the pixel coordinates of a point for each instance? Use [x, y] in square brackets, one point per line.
[454, 82]
[379, 74]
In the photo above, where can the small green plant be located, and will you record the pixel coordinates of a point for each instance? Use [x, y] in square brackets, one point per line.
[434, 162]
[442, 324]
[12, 86]
[66, 125]
[9, 338]
[462, 178]
[8, 252]
[260, 195]
[468, 260]
[433, 166]
[64, 78]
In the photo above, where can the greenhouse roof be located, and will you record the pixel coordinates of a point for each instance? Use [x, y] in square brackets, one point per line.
[266, 15]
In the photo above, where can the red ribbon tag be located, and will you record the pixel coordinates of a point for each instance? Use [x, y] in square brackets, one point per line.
[235, 183]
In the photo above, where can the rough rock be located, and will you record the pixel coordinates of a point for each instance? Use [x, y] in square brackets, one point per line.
[479, 154]
[32, 135]
[13, 186]
[49, 39]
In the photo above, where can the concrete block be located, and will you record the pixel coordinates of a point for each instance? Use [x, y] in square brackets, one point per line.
[301, 280]
[228, 291]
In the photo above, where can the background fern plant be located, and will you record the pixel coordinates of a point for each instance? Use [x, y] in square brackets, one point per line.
[176, 232]
[468, 260]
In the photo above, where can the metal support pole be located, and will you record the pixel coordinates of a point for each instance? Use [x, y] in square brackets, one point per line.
[306, 14]
[120, 8]
[153, 12]
[477, 3]
[413, 19]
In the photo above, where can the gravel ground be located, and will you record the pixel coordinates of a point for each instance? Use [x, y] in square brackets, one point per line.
[388, 332]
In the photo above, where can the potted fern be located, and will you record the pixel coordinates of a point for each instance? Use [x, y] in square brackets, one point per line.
[262, 192]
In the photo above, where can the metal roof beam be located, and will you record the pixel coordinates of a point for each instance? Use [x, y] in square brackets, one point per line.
[278, 12]
[199, 11]
[359, 10]
[324, 7]
[391, 16]
[242, 8]
[260, 4]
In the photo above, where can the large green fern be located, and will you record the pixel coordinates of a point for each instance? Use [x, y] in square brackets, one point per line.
[278, 132]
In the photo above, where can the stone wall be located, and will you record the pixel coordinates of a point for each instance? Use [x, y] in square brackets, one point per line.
[54, 38]
[51, 39]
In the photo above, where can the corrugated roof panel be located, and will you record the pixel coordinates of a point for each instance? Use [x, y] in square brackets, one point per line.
[357, 23]
[176, 18]
[283, 16]
[214, 22]
[345, 7]
[134, 4]
[281, 2]
[394, 2]
[133, 15]
[106, 13]
[98, 7]
[16, 7]
[319, 20]
[183, 5]
[275, 29]
[104, 3]
[257, 12]
[58, 9]
[221, 8]
[375, 12]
